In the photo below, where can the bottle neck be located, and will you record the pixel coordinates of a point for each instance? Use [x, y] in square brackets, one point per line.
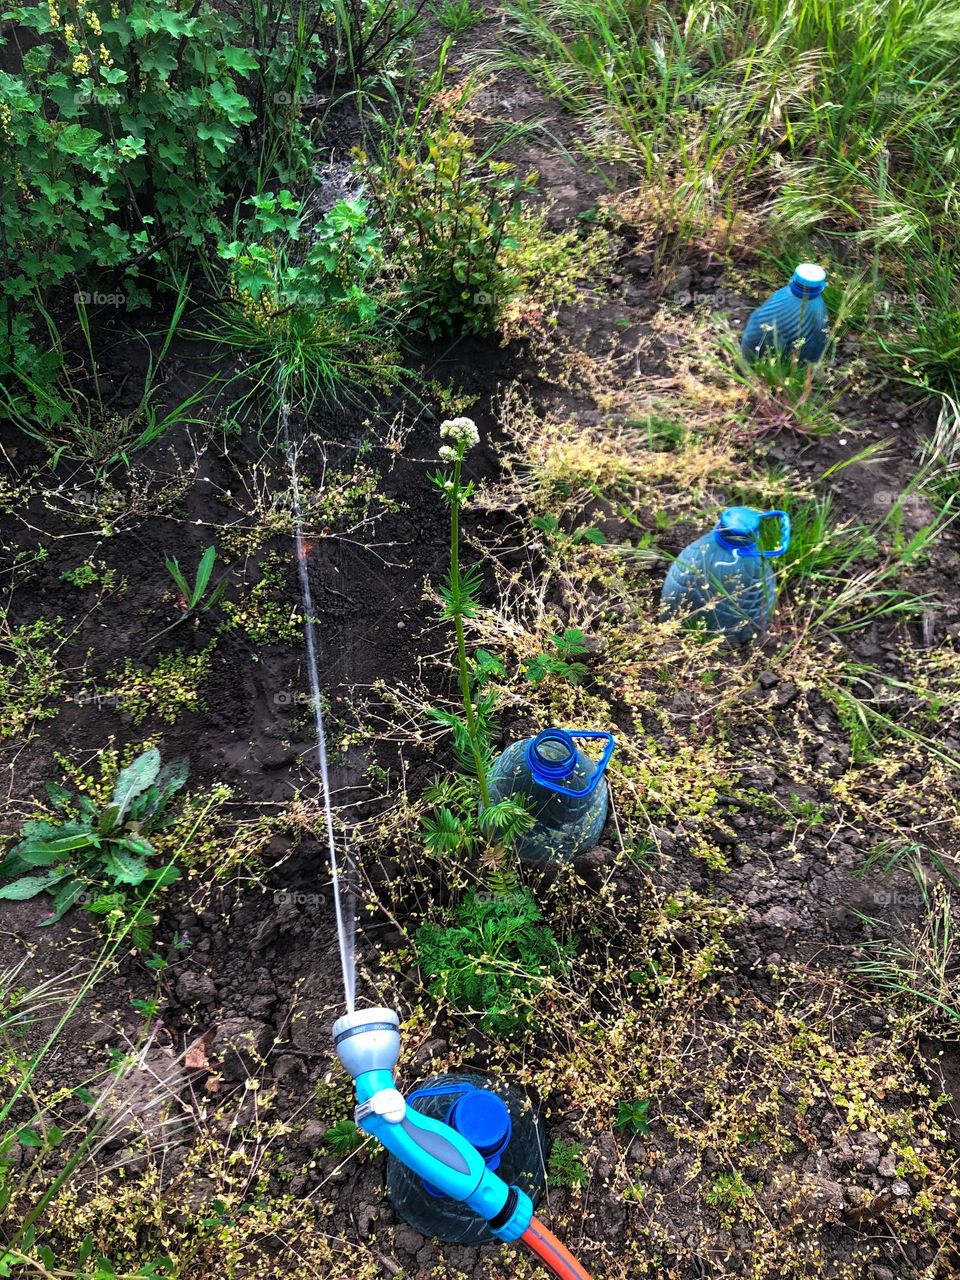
[743, 543]
[807, 291]
[552, 756]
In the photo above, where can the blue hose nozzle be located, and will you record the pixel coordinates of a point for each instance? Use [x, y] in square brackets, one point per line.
[368, 1044]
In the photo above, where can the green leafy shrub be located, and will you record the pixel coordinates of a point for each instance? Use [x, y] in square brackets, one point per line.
[100, 855]
[117, 134]
[451, 216]
[492, 957]
[300, 304]
[124, 127]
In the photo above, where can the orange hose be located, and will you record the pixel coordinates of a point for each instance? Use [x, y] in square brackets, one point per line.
[549, 1250]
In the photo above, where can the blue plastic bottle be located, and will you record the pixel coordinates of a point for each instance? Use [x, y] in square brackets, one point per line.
[794, 319]
[723, 579]
[563, 788]
[502, 1125]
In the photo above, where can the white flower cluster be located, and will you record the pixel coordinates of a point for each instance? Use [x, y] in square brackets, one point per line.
[460, 432]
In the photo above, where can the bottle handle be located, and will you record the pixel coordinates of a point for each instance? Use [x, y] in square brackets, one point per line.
[784, 533]
[609, 744]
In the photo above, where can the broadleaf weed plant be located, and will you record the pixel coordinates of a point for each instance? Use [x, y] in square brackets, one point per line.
[58, 1001]
[99, 854]
[300, 305]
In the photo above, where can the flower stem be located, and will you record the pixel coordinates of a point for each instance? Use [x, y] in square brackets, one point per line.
[461, 638]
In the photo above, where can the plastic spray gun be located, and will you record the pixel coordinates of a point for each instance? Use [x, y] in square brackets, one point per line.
[368, 1044]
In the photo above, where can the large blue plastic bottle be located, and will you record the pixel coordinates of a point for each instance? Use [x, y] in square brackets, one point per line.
[794, 319]
[562, 787]
[723, 579]
[503, 1126]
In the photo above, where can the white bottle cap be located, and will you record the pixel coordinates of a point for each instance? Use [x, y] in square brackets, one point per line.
[809, 274]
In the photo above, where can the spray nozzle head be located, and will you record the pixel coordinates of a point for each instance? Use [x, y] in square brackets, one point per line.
[367, 1040]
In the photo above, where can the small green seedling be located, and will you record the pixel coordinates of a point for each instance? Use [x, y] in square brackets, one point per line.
[634, 1116]
[344, 1138]
[458, 16]
[568, 646]
[727, 1190]
[195, 597]
[566, 1168]
[550, 525]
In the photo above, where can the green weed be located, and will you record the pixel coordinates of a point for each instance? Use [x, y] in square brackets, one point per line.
[566, 1167]
[493, 957]
[100, 856]
[458, 16]
[563, 660]
[450, 216]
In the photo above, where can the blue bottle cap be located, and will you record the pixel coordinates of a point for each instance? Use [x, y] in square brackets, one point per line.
[740, 522]
[808, 280]
[482, 1118]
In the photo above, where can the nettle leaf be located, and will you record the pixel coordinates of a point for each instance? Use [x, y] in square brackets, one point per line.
[106, 903]
[125, 867]
[487, 664]
[139, 775]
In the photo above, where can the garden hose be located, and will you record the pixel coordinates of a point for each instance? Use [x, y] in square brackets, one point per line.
[552, 1253]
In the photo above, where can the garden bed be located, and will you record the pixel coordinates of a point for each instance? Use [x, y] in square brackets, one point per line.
[747, 1054]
